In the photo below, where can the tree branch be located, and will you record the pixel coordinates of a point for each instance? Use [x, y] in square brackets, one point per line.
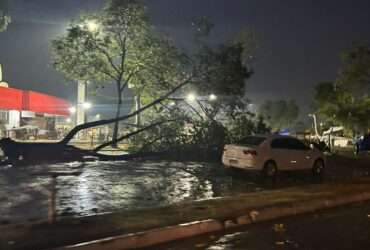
[130, 135]
[149, 144]
[123, 55]
[131, 74]
[110, 60]
[78, 128]
[108, 74]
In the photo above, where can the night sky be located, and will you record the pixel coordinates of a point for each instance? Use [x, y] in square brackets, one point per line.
[299, 41]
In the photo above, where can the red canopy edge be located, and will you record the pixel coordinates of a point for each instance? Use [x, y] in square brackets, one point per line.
[11, 98]
[15, 99]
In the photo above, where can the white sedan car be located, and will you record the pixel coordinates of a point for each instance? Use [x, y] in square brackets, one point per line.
[272, 153]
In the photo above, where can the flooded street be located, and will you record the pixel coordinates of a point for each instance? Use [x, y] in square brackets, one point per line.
[110, 186]
[106, 187]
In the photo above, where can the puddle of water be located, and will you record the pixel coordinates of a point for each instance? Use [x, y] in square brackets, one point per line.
[110, 186]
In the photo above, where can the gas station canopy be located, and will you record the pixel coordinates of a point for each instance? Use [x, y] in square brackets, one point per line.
[25, 100]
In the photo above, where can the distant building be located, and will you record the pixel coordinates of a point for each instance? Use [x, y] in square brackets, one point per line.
[24, 110]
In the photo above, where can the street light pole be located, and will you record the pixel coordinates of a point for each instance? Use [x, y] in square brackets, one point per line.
[315, 125]
[81, 100]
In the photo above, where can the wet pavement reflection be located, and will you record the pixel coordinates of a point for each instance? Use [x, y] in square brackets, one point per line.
[110, 186]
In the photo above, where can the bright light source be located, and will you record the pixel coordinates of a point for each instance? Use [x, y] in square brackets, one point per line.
[87, 105]
[252, 106]
[72, 110]
[98, 116]
[191, 97]
[92, 26]
[212, 97]
[69, 120]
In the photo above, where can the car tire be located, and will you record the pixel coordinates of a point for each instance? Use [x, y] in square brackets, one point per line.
[318, 168]
[270, 170]
[356, 150]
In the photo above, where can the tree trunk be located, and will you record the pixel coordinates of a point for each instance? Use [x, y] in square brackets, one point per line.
[118, 113]
[138, 107]
[61, 152]
[132, 134]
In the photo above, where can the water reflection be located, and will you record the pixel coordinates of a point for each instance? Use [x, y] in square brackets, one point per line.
[114, 186]
[110, 186]
[227, 242]
[106, 187]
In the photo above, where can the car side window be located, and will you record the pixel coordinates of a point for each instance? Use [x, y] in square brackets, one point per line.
[297, 145]
[280, 143]
[288, 143]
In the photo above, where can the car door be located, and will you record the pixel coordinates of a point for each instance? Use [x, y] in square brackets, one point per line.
[280, 153]
[300, 154]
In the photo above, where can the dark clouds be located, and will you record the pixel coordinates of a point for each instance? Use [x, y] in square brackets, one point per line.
[299, 41]
[50, 11]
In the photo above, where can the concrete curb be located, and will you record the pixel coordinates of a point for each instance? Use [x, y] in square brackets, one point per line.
[152, 237]
[176, 232]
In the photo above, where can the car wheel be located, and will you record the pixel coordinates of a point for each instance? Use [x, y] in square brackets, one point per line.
[318, 168]
[356, 149]
[2, 155]
[269, 170]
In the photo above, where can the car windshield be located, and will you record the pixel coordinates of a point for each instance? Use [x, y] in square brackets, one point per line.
[252, 140]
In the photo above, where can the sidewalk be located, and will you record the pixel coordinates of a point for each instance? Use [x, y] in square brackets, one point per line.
[158, 225]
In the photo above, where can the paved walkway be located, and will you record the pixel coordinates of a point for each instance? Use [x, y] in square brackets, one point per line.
[343, 228]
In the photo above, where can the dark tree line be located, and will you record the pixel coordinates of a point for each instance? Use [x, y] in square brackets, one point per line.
[346, 101]
[118, 45]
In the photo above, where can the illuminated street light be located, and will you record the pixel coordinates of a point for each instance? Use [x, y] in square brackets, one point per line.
[172, 103]
[87, 105]
[92, 26]
[212, 97]
[191, 97]
[252, 107]
[72, 110]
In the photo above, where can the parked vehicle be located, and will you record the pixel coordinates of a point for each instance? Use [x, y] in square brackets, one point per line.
[320, 145]
[362, 144]
[272, 153]
[335, 137]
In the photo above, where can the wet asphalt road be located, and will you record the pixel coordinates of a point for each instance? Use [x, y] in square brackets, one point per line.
[111, 186]
[343, 228]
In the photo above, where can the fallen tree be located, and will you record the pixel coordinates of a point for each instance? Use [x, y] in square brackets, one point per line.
[88, 125]
[218, 72]
[21, 153]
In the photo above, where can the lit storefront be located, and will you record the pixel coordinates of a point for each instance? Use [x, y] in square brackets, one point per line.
[28, 114]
